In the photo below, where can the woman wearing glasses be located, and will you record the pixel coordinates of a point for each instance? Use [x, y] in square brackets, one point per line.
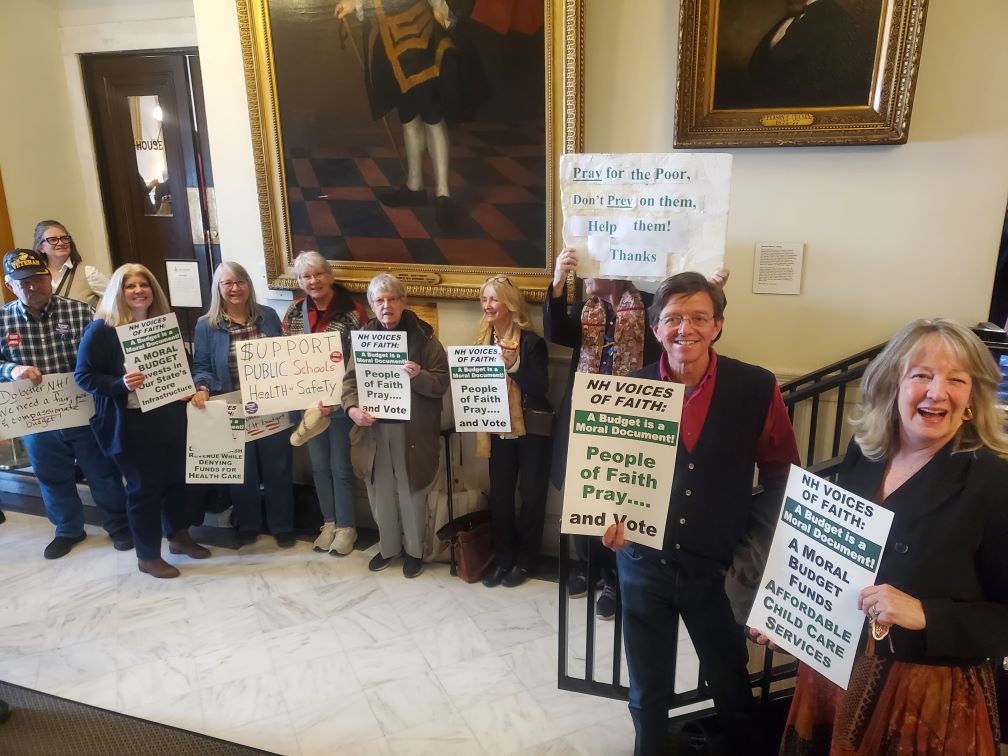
[235, 316]
[70, 277]
[327, 306]
[520, 457]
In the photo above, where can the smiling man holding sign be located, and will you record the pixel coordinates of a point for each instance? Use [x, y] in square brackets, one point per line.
[733, 420]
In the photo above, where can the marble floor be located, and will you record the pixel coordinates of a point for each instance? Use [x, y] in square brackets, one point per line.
[302, 653]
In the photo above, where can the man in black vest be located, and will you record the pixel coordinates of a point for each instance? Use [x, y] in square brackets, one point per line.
[734, 419]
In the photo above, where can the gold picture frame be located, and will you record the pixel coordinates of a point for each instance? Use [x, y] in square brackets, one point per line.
[839, 72]
[562, 32]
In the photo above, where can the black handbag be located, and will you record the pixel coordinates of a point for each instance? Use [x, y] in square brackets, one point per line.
[538, 422]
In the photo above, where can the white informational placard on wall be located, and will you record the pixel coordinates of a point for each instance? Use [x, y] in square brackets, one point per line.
[183, 283]
[778, 268]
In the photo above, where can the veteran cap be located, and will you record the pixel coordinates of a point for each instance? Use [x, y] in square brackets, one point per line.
[22, 263]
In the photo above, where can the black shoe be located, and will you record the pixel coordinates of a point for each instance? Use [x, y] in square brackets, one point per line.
[515, 577]
[605, 607]
[3, 517]
[285, 540]
[60, 546]
[403, 197]
[447, 214]
[122, 540]
[493, 578]
[4, 708]
[247, 537]
[411, 566]
[379, 563]
[577, 587]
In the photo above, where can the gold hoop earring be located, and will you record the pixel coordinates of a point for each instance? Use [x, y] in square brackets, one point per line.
[968, 414]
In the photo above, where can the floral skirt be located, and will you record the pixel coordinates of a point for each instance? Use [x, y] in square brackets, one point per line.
[892, 707]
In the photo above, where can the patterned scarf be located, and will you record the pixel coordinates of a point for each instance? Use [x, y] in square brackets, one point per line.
[515, 409]
[628, 351]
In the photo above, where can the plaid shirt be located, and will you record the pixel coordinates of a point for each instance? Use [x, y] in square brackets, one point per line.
[49, 343]
[238, 333]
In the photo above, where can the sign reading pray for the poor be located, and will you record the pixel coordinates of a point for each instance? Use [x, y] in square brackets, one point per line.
[154, 347]
[383, 387]
[624, 433]
[290, 372]
[56, 403]
[479, 389]
[645, 215]
[826, 548]
[222, 459]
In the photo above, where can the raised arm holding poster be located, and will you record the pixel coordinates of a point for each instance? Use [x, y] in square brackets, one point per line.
[55, 403]
[154, 347]
[826, 548]
[479, 389]
[645, 216]
[624, 434]
[382, 383]
[290, 372]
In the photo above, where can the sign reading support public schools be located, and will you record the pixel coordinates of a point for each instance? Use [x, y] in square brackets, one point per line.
[624, 433]
[826, 549]
[290, 372]
[56, 403]
[383, 387]
[154, 347]
[479, 389]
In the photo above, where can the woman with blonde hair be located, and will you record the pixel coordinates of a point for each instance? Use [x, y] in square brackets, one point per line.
[235, 316]
[929, 445]
[521, 457]
[148, 447]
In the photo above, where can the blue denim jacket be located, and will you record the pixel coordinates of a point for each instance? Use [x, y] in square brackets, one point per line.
[210, 350]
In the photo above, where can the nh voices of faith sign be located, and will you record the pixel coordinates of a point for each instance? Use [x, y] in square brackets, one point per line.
[215, 443]
[383, 387]
[624, 433]
[645, 216]
[55, 403]
[283, 373]
[479, 389]
[154, 347]
[826, 548]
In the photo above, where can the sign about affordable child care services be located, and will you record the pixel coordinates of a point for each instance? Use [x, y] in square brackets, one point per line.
[479, 389]
[826, 548]
[383, 388]
[290, 372]
[154, 347]
[624, 433]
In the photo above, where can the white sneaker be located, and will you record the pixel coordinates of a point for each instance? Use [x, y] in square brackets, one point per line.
[325, 539]
[344, 541]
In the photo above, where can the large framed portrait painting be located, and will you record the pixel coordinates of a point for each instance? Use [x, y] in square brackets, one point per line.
[418, 137]
[797, 72]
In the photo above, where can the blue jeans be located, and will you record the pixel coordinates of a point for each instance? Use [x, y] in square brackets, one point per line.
[267, 460]
[332, 472]
[654, 596]
[53, 455]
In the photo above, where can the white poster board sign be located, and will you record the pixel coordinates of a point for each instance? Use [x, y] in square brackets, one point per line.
[226, 465]
[479, 389]
[645, 215]
[778, 268]
[56, 403]
[383, 387]
[290, 372]
[154, 347]
[826, 549]
[624, 433]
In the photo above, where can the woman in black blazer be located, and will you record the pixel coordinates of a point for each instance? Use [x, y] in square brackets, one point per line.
[928, 445]
[522, 456]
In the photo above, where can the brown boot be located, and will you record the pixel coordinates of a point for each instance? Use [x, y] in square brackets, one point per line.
[182, 543]
[158, 568]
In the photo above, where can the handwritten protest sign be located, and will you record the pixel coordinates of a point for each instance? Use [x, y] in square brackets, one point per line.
[154, 347]
[290, 372]
[383, 388]
[826, 548]
[645, 216]
[227, 465]
[479, 389]
[56, 403]
[624, 434]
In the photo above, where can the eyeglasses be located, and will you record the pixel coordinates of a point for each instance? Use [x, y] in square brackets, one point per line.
[315, 276]
[700, 320]
[52, 241]
[233, 284]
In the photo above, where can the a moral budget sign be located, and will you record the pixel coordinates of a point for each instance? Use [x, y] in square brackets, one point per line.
[624, 433]
[290, 372]
[154, 347]
[826, 548]
[55, 403]
[383, 387]
[479, 389]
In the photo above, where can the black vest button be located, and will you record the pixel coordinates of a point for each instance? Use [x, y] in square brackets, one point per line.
[682, 520]
[688, 492]
[691, 465]
[900, 548]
